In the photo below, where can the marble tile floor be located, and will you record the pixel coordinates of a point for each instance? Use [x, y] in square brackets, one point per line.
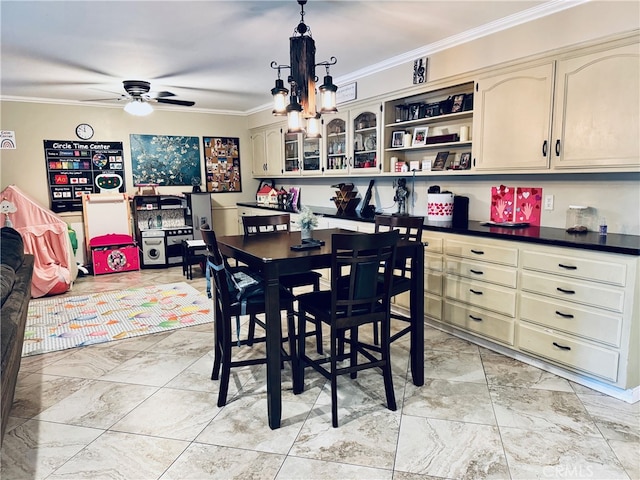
[145, 408]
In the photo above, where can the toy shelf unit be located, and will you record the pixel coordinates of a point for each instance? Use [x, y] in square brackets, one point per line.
[419, 126]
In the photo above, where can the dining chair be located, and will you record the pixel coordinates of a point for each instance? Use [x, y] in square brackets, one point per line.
[363, 301]
[410, 228]
[229, 304]
[265, 224]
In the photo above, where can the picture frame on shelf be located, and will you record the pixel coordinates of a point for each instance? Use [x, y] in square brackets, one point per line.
[458, 101]
[440, 162]
[419, 136]
[397, 139]
[465, 161]
[414, 111]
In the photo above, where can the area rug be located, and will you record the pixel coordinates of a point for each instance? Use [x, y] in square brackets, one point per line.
[67, 322]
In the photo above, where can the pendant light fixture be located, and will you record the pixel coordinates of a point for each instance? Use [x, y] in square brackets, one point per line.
[301, 112]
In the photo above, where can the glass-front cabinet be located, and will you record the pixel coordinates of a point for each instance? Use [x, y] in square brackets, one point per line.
[336, 145]
[311, 156]
[291, 154]
[365, 127]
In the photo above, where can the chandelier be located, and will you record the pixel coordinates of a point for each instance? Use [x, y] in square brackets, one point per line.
[302, 80]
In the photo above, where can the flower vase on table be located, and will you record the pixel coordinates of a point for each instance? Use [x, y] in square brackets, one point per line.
[307, 221]
[306, 234]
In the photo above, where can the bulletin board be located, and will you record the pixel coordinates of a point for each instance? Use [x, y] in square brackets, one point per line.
[222, 160]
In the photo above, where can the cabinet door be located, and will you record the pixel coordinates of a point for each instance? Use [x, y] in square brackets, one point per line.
[597, 110]
[336, 140]
[365, 125]
[274, 158]
[311, 156]
[291, 154]
[259, 153]
[512, 120]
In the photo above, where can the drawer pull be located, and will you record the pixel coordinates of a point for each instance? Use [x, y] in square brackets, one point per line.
[477, 252]
[568, 267]
[561, 347]
[563, 290]
[564, 315]
[477, 272]
[475, 292]
[475, 319]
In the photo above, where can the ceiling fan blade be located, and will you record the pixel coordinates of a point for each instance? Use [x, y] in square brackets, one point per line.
[164, 94]
[184, 103]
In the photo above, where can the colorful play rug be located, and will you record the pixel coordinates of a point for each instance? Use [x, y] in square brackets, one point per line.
[60, 323]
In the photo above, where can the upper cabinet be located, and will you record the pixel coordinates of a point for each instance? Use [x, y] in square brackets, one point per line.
[512, 121]
[576, 112]
[267, 149]
[597, 110]
[302, 155]
[430, 127]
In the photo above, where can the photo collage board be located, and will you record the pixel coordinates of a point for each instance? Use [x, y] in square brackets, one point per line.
[75, 168]
[222, 163]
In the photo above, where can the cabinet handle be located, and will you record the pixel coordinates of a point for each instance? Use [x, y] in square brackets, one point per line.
[477, 252]
[475, 319]
[563, 290]
[544, 148]
[558, 148]
[475, 291]
[564, 315]
[568, 267]
[561, 347]
[477, 272]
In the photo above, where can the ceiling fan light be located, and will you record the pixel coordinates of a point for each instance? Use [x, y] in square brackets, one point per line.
[138, 108]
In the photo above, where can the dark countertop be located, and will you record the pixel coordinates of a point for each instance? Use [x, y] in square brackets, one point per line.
[612, 243]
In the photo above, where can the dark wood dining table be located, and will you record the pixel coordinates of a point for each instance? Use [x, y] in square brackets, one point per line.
[272, 256]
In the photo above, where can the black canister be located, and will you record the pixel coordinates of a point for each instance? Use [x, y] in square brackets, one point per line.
[460, 212]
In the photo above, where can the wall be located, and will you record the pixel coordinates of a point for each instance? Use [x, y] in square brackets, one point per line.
[35, 122]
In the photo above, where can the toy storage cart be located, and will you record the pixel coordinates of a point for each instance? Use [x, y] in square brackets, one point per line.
[114, 253]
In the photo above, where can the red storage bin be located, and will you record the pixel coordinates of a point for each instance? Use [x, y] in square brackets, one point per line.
[114, 253]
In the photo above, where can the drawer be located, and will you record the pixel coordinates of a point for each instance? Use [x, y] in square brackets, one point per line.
[481, 322]
[586, 322]
[482, 271]
[483, 252]
[586, 293]
[433, 244]
[481, 294]
[605, 271]
[569, 351]
[433, 262]
[432, 284]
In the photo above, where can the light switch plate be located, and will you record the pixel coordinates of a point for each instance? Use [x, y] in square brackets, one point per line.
[548, 202]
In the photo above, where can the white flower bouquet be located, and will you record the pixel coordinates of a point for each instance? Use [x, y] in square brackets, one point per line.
[307, 219]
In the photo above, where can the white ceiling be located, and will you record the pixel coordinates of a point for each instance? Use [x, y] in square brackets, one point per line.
[218, 53]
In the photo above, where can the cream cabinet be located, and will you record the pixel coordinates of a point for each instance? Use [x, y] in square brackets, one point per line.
[597, 110]
[302, 155]
[578, 309]
[268, 152]
[575, 111]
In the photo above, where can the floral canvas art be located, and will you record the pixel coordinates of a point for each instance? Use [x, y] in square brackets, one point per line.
[165, 160]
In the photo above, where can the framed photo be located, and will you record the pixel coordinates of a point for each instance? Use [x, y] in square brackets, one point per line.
[420, 136]
[465, 161]
[414, 111]
[397, 140]
[440, 162]
[458, 100]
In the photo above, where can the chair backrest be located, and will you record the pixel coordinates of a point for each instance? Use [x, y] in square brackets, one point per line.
[257, 224]
[217, 268]
[410, 227]
[360, 259]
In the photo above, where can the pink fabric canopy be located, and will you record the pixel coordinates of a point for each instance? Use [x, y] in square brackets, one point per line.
[45, 236]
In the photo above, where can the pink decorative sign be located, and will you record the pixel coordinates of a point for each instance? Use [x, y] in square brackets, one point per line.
[528, 205]
[502, 204]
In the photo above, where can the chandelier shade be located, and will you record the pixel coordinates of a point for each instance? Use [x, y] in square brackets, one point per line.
[301, 110]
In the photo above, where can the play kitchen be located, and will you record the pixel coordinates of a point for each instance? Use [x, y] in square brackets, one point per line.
[161, 224]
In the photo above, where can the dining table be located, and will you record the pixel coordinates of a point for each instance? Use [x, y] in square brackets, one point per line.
[272, 256]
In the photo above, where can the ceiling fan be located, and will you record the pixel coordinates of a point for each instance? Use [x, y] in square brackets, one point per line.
[138, 98]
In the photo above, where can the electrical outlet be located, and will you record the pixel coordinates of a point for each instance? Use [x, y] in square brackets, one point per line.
[548, 202]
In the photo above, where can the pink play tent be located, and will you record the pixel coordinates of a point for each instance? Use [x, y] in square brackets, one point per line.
[45, 236]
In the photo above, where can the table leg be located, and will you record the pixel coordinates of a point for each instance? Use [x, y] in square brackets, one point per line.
[274, 342]
[417, 317]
